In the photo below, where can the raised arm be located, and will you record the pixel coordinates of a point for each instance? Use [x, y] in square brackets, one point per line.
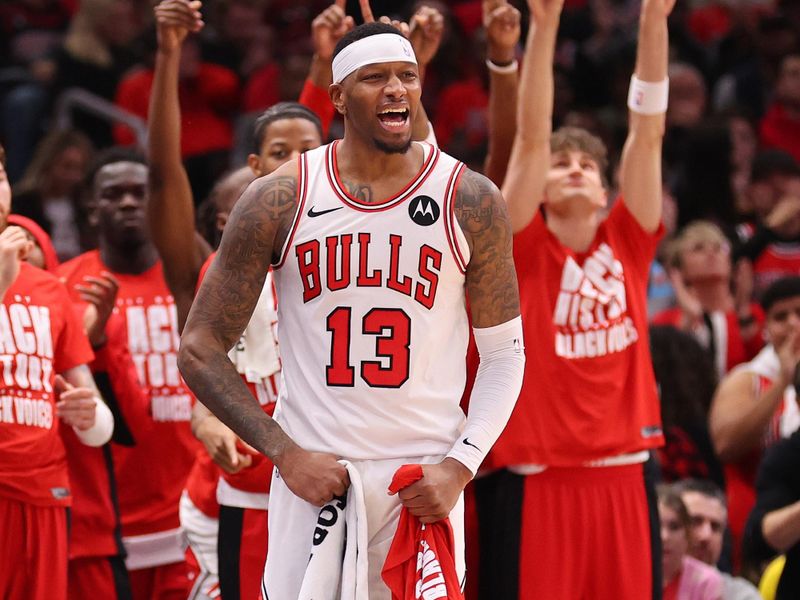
[254, 233]
[741, 412]
[501, 21]
[170, 208]
[523, 187]
[640, 171]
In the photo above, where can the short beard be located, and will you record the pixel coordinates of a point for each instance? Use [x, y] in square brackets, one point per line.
[386, 148]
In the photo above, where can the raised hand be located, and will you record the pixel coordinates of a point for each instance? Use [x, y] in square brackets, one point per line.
[315, 477]
[14, 246]
[433, 497]
[546, 11]
[366, 11]
[783, 218]
[687, 301]
[175, 19]
[789, 355]
[328, 28]
[501, 21]
[657, 8]
[101, 295]
[425, 33]
[76, 405]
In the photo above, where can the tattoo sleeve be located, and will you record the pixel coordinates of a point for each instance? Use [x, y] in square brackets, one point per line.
[491, 276]
[254, 234]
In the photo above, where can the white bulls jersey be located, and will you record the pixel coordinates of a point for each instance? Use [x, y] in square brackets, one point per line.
[371, 315]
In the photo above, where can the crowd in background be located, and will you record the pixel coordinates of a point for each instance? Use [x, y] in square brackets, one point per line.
[731, 183]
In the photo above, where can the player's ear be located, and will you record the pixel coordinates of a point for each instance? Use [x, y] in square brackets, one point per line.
[91, 213]
[254, 162]
[336, 92]
[222, 220]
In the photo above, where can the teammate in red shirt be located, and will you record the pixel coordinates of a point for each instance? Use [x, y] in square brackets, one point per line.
[44, 354]
[570, 483]
[150, 476]
[96, 554]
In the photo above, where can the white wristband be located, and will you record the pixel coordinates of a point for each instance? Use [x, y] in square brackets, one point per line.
[513, 67]
[99, 433]
[648, 98]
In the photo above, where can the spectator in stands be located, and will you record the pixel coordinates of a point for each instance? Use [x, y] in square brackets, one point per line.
[687, 107]
[708, 511]
[744, 144]
[686, 380]
[774, 524]
[238, 37]
[29, 31]
[780, 127]
[748, 82]
[209, 94]
[94, 57]
[720, 315]
[49, 191]
[703, 176]
[685, 577]
[772, 241]
[755, 404]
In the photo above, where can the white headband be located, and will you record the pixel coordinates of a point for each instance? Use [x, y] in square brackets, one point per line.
[379, 48]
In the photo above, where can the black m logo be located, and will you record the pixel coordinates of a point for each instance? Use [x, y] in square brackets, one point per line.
[423, 210]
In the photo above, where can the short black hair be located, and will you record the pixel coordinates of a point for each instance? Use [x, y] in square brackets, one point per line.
[786, 287]
[701, 486]
[364, 31]
[109, 156]
[773, 162]
[278, 112]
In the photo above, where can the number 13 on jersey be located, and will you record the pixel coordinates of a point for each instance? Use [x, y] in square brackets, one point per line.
[392, 330]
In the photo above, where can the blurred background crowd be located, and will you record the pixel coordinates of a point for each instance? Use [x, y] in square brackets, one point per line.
[75, 77]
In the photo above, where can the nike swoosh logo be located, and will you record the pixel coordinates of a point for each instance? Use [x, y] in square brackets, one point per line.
[311, 213]
[468, 443]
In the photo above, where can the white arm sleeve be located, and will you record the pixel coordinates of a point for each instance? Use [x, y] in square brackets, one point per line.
[497, 385]
[99, 433]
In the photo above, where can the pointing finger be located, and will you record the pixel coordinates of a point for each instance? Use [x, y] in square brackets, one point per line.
[366, 11]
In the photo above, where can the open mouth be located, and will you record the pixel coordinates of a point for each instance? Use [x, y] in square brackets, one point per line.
[394, 118]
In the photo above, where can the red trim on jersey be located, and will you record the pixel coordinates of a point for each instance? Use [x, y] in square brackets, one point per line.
[332, 171]
[449, 218]
[302, 188]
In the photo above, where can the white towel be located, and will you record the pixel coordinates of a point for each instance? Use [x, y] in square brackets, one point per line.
[338, 568]
[255, 355]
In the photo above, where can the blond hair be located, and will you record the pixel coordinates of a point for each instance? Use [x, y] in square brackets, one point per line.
[694, 231]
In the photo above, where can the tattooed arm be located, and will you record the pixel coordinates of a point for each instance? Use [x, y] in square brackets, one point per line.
[256, 230]
[494, 301]
[491, 277]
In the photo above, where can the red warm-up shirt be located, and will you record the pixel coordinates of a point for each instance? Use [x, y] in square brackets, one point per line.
[151, 475]
[40, 335]
[589, 391]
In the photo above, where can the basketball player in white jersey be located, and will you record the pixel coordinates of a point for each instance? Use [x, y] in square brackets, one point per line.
[375, 242]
